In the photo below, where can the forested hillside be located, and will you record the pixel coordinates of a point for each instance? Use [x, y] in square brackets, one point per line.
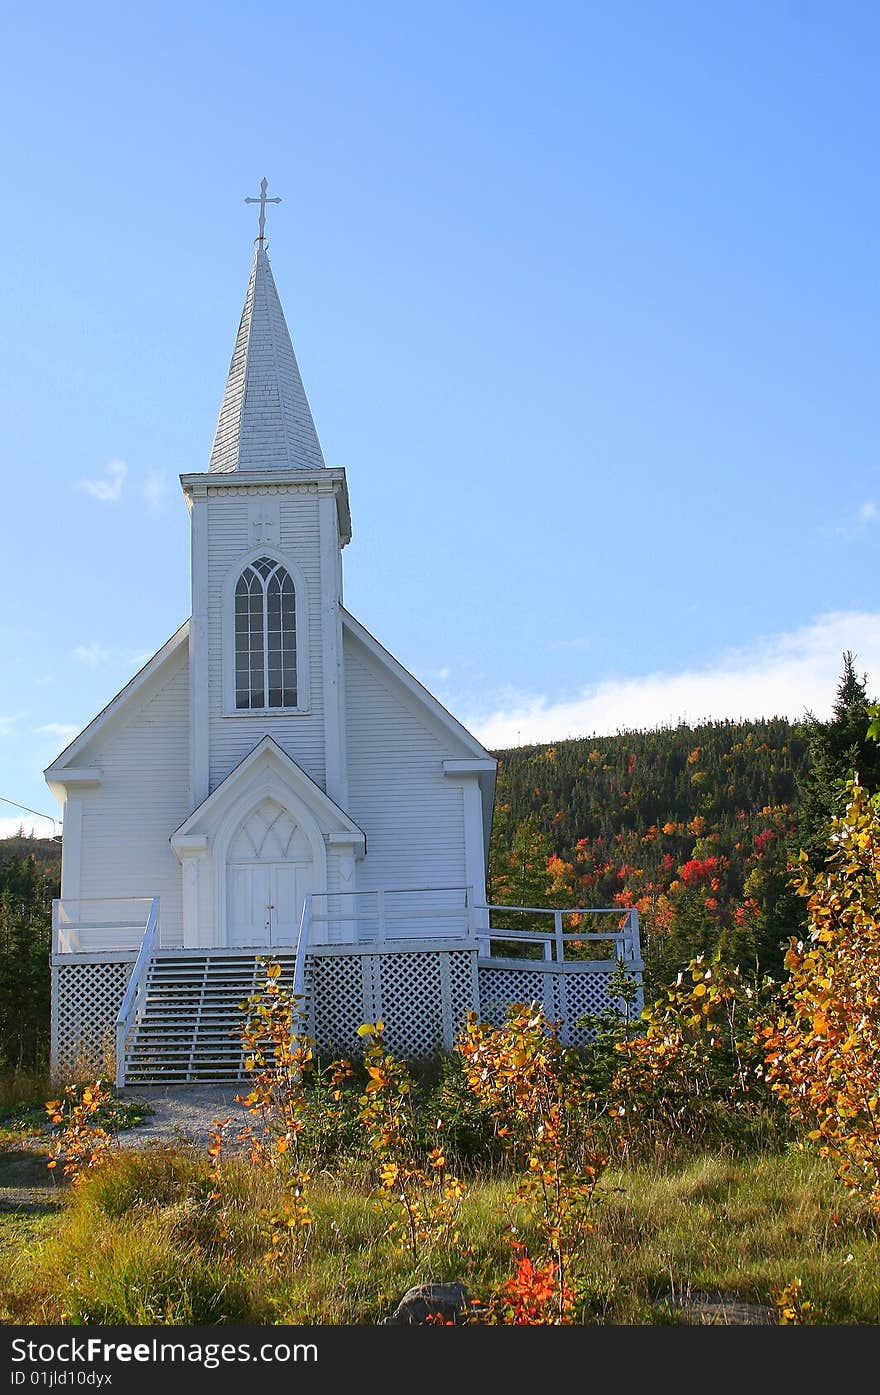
[46, 852]
[697, 827]
[690, 825]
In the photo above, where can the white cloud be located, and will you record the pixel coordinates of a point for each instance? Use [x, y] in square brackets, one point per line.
[34, 825]
[434, 675]
[91, 654]
[108, 490]
[139, 657]
[155, 490]
[860, 519]
[63, 730]
[779, 675]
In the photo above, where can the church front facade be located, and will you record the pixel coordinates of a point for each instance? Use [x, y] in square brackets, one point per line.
[274, 782]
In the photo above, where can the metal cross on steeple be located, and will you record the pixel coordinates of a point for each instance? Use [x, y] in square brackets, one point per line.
[262, 201]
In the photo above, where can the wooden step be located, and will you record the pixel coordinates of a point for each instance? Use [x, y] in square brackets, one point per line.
[192, 1015]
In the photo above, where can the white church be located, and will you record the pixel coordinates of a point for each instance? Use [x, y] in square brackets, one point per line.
[274, 783]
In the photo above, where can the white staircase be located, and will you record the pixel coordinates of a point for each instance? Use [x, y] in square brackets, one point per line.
[188, 1028]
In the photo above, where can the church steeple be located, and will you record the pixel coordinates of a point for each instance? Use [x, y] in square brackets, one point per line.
[265, 422]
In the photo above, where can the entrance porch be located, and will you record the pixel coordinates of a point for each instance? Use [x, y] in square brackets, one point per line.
[127, 1005]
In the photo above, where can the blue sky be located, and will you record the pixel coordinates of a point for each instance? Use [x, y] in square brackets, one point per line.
[585, 298]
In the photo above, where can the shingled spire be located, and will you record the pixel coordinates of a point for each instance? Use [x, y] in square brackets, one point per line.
[265, 422]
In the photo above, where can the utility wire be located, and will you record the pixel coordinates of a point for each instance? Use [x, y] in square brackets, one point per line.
[15, 805]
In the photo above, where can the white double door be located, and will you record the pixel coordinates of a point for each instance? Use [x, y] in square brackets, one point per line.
[266, 901]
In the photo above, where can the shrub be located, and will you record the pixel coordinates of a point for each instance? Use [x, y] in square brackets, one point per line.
[823, 1049]
[691, 1075]
[523, 1075]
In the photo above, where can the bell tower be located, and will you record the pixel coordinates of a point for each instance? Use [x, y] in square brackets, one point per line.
[269, 521]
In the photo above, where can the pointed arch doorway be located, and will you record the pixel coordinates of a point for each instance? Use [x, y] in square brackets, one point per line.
[269, 872]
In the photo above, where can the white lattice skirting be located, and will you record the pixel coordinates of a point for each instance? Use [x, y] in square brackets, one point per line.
[86, 997]
[565, 993]
[422, 996]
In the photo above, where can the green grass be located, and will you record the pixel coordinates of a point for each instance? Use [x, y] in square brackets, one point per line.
[744, 1227]
[22, 1098]
[141, 1242]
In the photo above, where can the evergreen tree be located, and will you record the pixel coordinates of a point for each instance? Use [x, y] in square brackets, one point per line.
[26, 892]
[837, 750]
[518, 874]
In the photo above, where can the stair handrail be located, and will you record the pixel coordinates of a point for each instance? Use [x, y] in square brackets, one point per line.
[130, 1004]
[299, 968]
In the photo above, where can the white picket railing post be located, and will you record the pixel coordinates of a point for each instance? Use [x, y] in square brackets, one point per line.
[130, 1004]
[302, 942]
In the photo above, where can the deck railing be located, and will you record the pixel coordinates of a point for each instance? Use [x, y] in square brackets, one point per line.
[621, 942]
[82, 926]
[382, 917]
[390, 914]
[299, 969]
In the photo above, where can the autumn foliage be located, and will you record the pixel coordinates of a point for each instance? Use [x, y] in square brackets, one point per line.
[691, 826]
[823, 1049]
[690, 1074]
[280, 1057]
[530, 1082]
[417, 1191]
[81, 1141]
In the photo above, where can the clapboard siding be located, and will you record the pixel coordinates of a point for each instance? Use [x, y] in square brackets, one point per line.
[412, 815]
[300, 735]
[144, 795]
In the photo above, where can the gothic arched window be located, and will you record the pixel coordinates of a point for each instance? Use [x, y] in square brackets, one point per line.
[265, 636]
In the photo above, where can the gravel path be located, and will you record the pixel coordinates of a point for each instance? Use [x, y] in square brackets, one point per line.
[181, 1112]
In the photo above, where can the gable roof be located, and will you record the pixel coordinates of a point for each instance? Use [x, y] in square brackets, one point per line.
[265, 422]
[133, 689]
[415, 689]
[478, 761]
[267, 753]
